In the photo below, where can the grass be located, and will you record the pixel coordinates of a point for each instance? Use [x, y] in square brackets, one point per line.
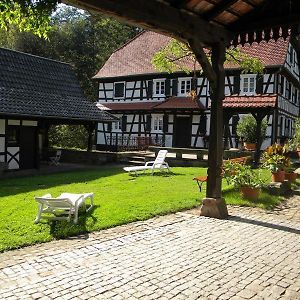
[119, 199]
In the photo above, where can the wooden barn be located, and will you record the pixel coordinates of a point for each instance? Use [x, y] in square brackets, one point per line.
[156, 108]
[35, 93]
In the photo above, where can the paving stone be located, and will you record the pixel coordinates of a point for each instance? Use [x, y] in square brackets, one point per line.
[253, 254]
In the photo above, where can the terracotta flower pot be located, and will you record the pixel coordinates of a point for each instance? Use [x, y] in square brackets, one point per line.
[250, 146]
[291, 177]
[250, 193]
[278, 176]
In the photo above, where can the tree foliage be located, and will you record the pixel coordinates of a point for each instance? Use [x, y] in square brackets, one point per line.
[27, 16]
[175, 55]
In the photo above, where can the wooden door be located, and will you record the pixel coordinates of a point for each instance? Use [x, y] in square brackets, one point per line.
[28, 147]
[182, 132]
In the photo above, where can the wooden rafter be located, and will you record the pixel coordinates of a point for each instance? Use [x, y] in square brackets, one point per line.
[180, 24]
[219, 9]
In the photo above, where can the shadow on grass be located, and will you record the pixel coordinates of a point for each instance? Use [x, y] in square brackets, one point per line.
[264, 224]
[64, 229]
[156, 174]
[16, 186]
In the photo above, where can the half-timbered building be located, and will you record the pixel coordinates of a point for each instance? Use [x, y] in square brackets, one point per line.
[35, 93]
[156, 107]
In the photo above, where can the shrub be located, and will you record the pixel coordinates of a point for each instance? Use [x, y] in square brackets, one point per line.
[246, 129]
[294, 142]
[275, 158]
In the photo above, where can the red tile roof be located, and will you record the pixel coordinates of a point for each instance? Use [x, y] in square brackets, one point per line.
[179, 103]
[134, 58]
[261, 101]
[127, 105]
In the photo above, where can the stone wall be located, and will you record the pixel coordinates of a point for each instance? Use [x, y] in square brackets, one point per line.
[89, 158]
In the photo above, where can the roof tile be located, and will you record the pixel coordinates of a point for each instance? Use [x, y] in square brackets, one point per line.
[34, 86]
[134, 58]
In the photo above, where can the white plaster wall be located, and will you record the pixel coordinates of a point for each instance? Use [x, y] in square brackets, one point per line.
[13, 165]
[14, 122]
[2, 126]
[29, 123]
[168, 141]
[196, 119]
[2, 144]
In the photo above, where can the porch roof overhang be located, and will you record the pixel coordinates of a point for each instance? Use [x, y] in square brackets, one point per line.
[250, 102]
[205, 21]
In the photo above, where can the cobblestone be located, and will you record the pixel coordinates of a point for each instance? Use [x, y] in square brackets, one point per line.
[255, 254]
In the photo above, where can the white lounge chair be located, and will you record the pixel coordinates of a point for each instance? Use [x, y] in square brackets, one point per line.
[54, 160]
[66, 204]
[158, 164]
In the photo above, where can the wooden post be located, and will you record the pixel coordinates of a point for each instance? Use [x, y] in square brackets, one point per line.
[214, 205]
[90, 129]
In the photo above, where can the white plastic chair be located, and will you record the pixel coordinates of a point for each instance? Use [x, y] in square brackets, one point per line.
[54, 160]
[159, 163]
[66, 204]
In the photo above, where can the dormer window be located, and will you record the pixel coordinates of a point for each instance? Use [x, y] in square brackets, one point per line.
[184, 86]
[248, 84]
[119, 90]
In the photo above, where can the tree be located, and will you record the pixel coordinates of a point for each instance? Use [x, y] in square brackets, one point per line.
[27, 16]
[174, 55]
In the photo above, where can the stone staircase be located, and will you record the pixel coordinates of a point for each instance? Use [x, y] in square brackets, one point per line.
[137, 158]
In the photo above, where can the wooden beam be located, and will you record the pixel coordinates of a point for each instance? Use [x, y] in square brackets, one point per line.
[218, 9]
[214, 205]
[215, 151]
[159, 16]
[203, 60]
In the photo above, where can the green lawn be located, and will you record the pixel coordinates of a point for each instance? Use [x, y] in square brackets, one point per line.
[119, 199]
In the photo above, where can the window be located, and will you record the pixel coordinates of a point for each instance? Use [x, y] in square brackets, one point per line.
[184, 86]
[157, 123]
[119, 90]
[117, 126]
[13, 135]
[248, 84]
[158, 87]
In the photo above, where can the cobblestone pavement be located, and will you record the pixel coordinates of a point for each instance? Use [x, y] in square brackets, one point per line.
[252, 255]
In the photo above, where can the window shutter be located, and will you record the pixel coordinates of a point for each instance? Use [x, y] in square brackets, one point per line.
[235, 121]
[148, 123]
[202, 125]
[174, 87]
[109, 126]
[124, 123]
[236, 84]
[259, 84]
[165, 123]
[150, 89]
[194, 84]
[167, 87]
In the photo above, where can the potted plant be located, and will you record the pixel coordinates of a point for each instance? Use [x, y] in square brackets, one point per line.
[246, 130]
[248, 181]
[275, 159]
[290, 175]
[294, 143]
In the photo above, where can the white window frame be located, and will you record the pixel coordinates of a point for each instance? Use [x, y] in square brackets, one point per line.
[124, 90]
[117, 126]
[160, 82]
[243, 79]
[157, 123]
[180, 80]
